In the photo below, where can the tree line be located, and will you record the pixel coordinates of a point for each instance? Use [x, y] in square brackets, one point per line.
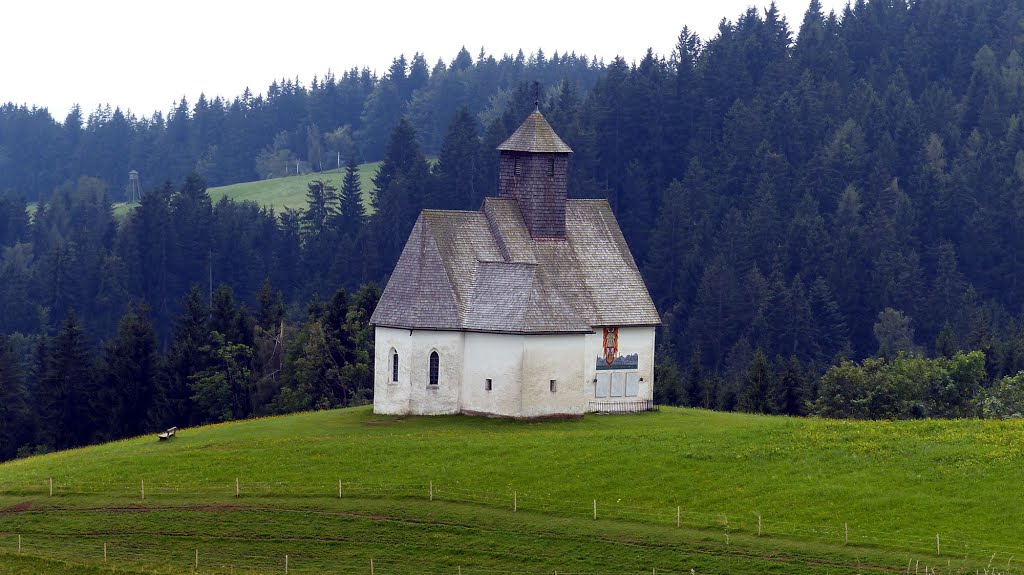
[799, 200]
[293, 126]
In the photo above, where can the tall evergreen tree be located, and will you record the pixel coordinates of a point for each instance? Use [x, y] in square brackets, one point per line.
[14, 414]
[66, 394]
[129, 375]
[351, 213]
[458, 174]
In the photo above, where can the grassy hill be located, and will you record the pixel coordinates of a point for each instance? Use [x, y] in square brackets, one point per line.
[287, 192]
[895, 485]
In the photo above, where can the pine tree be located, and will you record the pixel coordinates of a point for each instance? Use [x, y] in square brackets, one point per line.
[130, 368]
[14, 417]
[756, 395]
[791, 393]
[830, 327]
[67, 389]
[946, 343]
[321, 207]
[351, 213]
[400, 185]
[459, 184]
[173, 405]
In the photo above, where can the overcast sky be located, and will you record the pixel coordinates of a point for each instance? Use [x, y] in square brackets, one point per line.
[145, 55]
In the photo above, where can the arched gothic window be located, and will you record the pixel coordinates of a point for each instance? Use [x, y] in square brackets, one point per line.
[394, 366]
[434, 367]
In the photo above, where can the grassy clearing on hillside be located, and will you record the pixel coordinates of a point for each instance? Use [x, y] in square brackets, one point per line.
[280, 193]
[290, 191]
[896, 484]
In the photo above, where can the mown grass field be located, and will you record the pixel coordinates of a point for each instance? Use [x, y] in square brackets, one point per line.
[280, 193]
[896, 485]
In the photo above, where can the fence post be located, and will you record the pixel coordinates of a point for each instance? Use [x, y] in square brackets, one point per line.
[197, 560]
[431, 490]
[515, 504]
[143, 488]
[104, 552]
[758, 525]
[339, 489]
[19, 544]
[679, 515]
[286, 564]
[238, 490]
[371, 566]
[595, 509]
[938, 550]
[51, 487]
[846, 533]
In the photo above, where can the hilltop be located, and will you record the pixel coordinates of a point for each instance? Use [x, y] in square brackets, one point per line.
[280, 193]
[896, 485]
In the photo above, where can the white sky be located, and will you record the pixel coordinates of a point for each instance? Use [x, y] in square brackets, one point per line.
[144, 55]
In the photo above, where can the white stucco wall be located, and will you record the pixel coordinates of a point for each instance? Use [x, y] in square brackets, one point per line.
[638, 340]
[498, 357]
[412, 393]
[557, 357]
[520, 368]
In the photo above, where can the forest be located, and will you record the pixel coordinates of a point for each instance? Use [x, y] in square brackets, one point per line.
[825, 213]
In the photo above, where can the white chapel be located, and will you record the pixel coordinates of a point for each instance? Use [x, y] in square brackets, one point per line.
[530, 307]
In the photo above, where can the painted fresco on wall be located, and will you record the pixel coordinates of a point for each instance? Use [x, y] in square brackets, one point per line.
[611, 344]
[631, 361]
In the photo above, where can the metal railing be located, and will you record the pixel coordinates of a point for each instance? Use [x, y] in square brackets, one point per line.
[629, 406]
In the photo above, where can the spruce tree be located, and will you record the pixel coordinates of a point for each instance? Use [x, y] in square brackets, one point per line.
[759, 383]
[351, 213]
[459, 185]
[14, 424]
[129, 375]
[66, 394]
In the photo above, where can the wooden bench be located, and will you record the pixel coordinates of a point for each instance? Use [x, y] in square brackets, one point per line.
[168, 434]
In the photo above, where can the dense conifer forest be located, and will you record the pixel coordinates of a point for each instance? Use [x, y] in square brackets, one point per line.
[825, 212]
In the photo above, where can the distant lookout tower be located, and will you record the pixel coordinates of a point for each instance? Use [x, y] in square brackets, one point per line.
[134, 190]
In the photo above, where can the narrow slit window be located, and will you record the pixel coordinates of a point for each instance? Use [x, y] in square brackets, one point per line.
[434, 367]
[394, 366]
[488, 384]
[517, 167]
[553, 386]
[551, 167]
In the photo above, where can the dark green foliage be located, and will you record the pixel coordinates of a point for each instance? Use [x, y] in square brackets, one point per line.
[903, 388]
[15, 416]
[780, 193]
[351, 213]
[129, 375]
[327, 363]
[400, 188]
[759, 389]
[459, 182]
[69, 410]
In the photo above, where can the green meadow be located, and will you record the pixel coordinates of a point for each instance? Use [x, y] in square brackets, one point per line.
[674, 490]
[286, 192]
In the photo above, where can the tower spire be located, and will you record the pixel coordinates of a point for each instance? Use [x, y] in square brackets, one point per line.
[533, 171]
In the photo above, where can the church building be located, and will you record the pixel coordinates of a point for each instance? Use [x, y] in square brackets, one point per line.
[531, 306]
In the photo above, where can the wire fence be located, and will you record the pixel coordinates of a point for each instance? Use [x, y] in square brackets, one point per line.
[168, 556]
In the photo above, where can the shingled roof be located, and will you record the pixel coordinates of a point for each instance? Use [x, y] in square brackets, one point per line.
[535, 135]
[481, 271]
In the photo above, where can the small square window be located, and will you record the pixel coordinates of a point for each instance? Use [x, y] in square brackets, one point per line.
[553, 386]
[487, 384]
